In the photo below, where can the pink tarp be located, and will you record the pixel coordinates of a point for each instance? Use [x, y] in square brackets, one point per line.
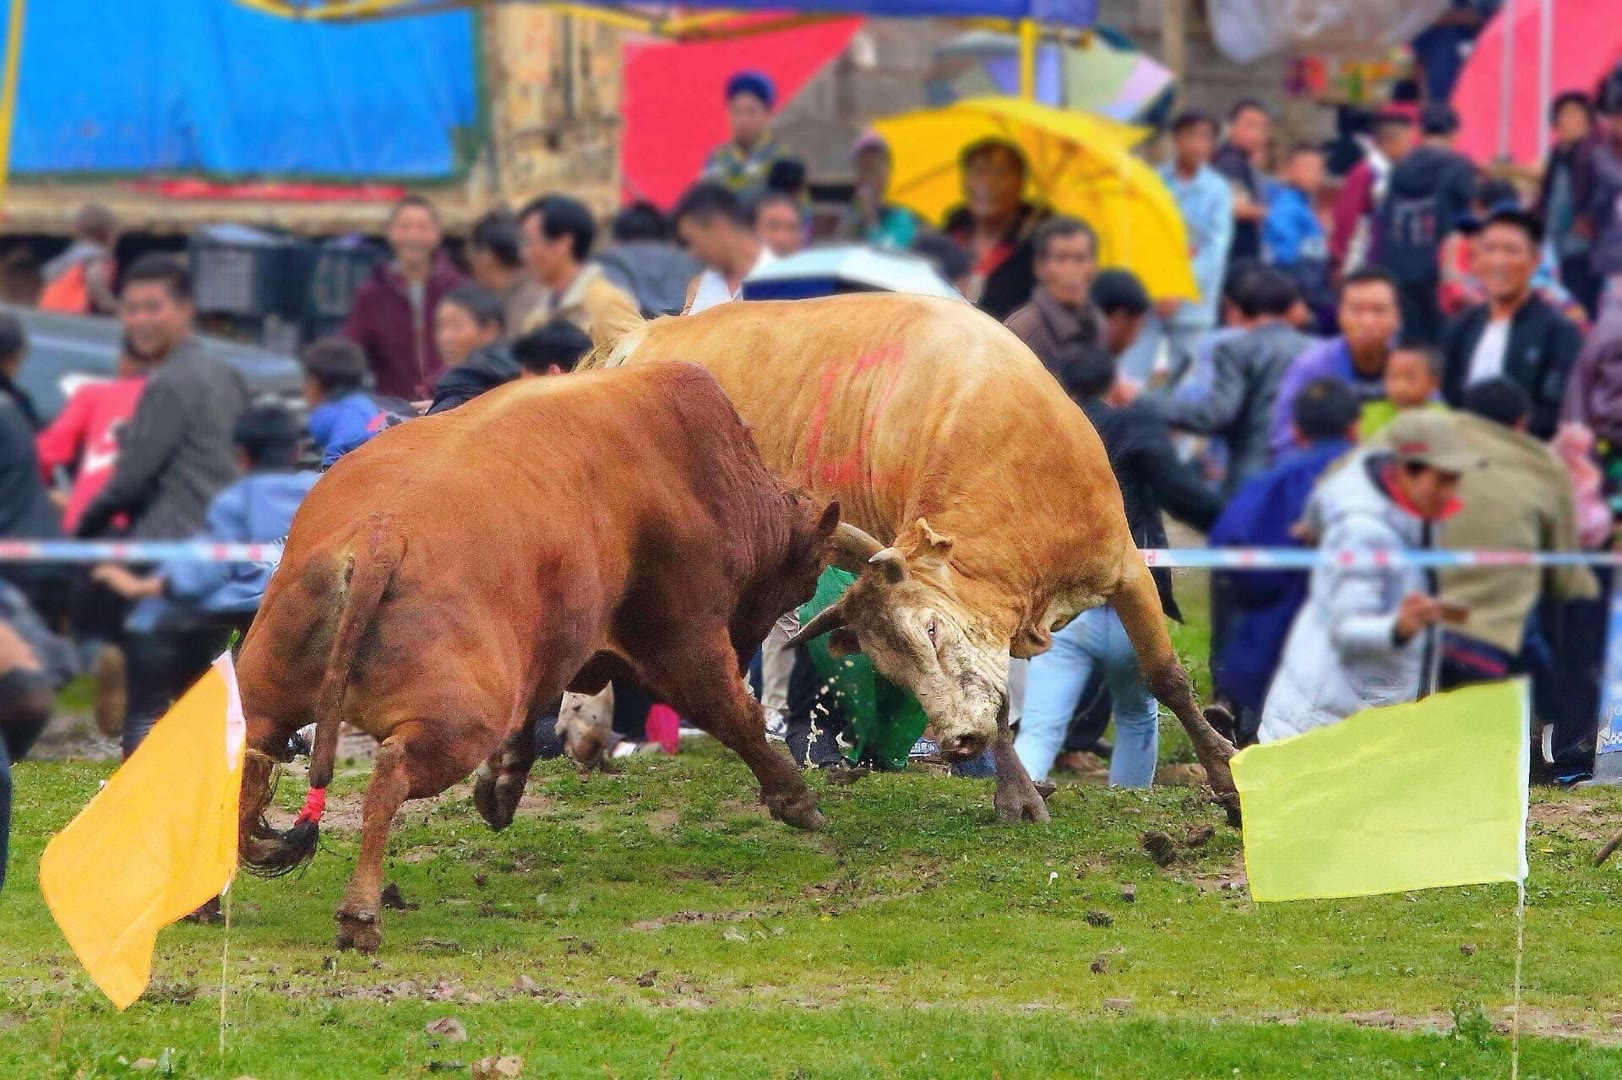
[1587, 41]
[674, 105]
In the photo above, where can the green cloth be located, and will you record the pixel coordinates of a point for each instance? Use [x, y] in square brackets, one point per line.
[884, 719]
[1377, 416]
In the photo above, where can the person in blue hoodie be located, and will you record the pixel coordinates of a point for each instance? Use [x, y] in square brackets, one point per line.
[1263, 513]
[1294, 236]
[185, 612]
[343, 413]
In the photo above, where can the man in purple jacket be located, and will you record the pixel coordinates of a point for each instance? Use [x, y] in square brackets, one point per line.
[391, 318]
[1369, 318]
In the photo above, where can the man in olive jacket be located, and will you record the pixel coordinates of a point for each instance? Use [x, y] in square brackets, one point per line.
[1522, 501]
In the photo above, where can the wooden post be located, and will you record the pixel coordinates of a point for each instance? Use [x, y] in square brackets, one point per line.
[1174, 40]
[8, 90]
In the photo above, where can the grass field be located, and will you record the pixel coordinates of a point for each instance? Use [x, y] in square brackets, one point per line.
[658, 924]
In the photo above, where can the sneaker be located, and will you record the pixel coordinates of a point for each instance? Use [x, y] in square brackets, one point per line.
[924, 748]
[112, 690]
[776, 726]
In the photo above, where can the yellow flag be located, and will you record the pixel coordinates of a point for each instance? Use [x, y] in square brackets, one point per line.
[158, 841]
[1416, 796]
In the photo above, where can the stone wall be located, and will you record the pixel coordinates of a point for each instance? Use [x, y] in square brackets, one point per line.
[552, 85]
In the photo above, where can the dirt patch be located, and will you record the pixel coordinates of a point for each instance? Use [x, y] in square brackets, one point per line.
[1576, 819]
[1180, 776]
[73, 736]
[688, 918]
[662, 821]
[1568, 811]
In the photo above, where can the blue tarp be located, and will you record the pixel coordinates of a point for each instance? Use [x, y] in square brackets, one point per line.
[210, 87]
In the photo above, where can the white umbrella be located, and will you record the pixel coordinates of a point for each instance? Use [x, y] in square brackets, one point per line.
[823, 270]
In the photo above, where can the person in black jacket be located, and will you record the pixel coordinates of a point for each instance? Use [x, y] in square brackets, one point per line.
[1427, 194]
[1516, 334]
[468, 327]
[994, 227]
[1152, 479]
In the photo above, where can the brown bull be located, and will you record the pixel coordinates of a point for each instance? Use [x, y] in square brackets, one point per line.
[942, 435]
[458, 573]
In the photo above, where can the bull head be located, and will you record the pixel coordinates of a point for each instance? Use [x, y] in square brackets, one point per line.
[902, 613]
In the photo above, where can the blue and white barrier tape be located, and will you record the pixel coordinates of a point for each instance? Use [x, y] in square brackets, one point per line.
[95, 551]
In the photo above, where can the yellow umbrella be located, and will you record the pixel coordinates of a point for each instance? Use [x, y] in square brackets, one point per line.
[1081, 164]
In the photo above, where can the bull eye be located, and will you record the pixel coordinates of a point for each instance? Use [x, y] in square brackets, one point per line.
[930, 630]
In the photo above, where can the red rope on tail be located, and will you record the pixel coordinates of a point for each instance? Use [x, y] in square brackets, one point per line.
[314, 804]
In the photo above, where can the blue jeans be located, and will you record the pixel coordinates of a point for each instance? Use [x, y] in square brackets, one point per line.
[1054, 686]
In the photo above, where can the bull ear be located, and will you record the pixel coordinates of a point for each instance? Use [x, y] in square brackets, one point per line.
[811, 540]
[852, 548]
[842, 642]
[892, 564]
[829, 521]
[932, 545]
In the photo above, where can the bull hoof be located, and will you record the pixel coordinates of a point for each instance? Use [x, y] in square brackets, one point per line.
[799, 810]
[1017, 805]
[359, 930]
[484, 797]
[497, 799]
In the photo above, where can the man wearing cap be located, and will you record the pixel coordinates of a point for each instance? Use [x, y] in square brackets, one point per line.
[1522, 501]
[746, 159]
[1366, 635]
[1516, 334]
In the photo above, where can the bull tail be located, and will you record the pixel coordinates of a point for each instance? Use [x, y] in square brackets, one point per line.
[363, 580]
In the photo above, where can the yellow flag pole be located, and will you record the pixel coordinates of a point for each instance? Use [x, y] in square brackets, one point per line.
[1029, 37]
[8, 90]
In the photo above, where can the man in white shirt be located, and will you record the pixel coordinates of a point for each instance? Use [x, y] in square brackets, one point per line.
[714, 225]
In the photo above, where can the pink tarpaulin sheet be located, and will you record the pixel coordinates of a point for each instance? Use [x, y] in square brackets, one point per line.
[1587, 41]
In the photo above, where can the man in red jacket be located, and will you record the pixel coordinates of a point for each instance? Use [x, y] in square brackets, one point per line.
[84, 436]
[391, 318]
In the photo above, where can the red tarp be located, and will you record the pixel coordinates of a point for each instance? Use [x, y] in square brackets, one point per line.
[1587, 41]
[269, 191]
[673, 99]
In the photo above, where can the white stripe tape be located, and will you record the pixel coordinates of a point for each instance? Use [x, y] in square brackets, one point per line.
[88, 551]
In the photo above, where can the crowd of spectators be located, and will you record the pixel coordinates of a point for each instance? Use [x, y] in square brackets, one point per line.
[1402, 356]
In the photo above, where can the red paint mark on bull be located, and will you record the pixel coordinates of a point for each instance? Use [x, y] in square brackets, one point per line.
[847, 469]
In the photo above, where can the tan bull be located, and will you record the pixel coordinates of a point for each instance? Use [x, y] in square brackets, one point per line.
[942, 436]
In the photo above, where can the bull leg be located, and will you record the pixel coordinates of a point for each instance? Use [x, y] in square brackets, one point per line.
[1137, 602]
[416, 760]
[708, 690]
[499, 783]
[1017, 799]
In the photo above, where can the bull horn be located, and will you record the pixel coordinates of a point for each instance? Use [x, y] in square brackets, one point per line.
[852, 547]
[827, 620]
[892, 564]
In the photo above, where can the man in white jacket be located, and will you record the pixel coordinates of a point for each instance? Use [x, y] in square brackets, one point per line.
[1365, 635]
